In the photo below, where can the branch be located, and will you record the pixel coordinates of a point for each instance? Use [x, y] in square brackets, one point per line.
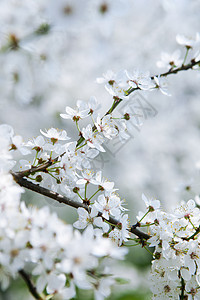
[43, 191]
[62, 199]
[182, 68]
[30, 285]
[133, 229]
[117, 101]
[140, 234]
[171, 71]
[40, 168]
[182, 297]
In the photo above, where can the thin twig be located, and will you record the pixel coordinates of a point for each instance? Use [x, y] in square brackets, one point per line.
[30, 285]
[170, 72]
[182, 68]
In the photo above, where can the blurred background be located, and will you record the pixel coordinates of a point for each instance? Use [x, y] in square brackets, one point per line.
[51, 53]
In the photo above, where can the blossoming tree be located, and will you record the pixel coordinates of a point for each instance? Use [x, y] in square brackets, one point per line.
[55, 258]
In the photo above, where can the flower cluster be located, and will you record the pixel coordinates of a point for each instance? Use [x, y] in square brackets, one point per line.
[123, 83]
[120, 85]
[69, 169]
[37, 236]
[176, 241]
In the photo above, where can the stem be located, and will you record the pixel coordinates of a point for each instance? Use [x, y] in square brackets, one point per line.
[194, 234]
[79, 196]
[54, 177]
[192, 224]
[114, 105]
[31, 178]
[143, 216]
[131, 245]
[35, 158]
[53, 169]
[94, 194]
[30, 285]
[110, 223]
[86, 190]
[146, 225]
[148, 250]
[77, 126]
[81, 146]
[186, 54]
[81, 139]
[93, 119]
[111, 109]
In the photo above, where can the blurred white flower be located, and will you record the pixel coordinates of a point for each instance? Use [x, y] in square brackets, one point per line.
[189, 42]
[115, 84]
[93, 139]
[55, 134]
[106, 126]
[102, 182]
[151, 204]
[170, 60]
[138, 79]
[185, 210]
[162, 85]
[75, 114]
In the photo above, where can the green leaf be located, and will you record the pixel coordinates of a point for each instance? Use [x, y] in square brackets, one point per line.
[120, 280]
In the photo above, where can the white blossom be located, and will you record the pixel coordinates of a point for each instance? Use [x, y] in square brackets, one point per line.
[170, 60]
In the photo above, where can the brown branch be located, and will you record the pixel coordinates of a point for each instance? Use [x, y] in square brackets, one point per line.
[133, 229]
[182, 288]
[182, 68]
[41, 168]
[140, 234]
[43, 191]
[30, 285]
[62, 199]
[170, 72]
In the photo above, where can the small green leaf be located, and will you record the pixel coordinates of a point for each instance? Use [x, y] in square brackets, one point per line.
[120, 280]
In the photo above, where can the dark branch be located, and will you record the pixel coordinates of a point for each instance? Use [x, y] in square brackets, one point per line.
[182, 297]
[41, 168]
[170, 72]
[30, 285]
[140, 234]
[182, 68]
[62, 199]
[43, 191]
